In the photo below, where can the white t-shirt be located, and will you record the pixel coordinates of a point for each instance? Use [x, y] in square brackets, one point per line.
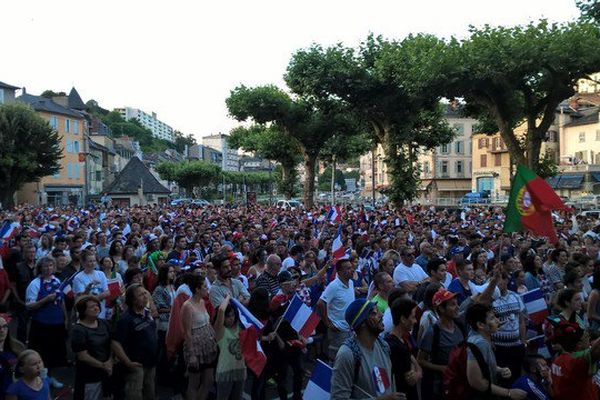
[338, 297]
[82, 280]
[403, 273]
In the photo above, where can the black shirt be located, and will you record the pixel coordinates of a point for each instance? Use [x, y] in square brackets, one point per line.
[23, 276]
[269, 282]
[401, 364]
[137, 335]
[96, 341]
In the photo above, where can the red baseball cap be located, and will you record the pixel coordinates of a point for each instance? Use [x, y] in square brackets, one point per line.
[441, 296]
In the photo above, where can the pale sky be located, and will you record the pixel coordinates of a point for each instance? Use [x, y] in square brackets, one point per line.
[182, 58]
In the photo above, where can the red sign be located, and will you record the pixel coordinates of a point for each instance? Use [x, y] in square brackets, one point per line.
[81, 157]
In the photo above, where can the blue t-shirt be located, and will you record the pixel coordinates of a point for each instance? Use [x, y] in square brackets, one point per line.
[24, 392]
[534, 391]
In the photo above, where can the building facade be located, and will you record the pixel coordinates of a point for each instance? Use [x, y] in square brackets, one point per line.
[446, 170]
[373, 170]
[159, 129]
[7, 93]
[68, 185]
[205, 153]
[231, 158]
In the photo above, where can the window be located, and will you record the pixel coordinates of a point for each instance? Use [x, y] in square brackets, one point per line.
[483, 160]
[444, 149]
[426, 167]
[460, 129]
[483, 143]
[581, 137]
[54, 123]
[69, 146]
[56, 175]
[70, 170]
[496, 143]
[444, 168]
[459, 146]
[459, 168]
[497, 160]
[98, 176]
[75, 146]
[597, 135]
[67, 125]
[75, 126]
[77, 171]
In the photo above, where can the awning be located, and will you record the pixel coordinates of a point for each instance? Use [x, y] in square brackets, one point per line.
[553, 181]
[453, 185]
[424, 185]
[570, 181]
[596, 176]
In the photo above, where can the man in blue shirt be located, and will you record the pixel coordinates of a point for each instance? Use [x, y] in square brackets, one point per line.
[537, 379]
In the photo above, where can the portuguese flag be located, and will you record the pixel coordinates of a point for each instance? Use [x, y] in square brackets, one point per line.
[530, 205]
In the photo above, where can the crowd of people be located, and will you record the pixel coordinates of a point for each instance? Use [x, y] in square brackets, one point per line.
[414, 303]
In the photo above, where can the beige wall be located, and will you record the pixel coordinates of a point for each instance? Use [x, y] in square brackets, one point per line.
[497, 166]
[582, 142]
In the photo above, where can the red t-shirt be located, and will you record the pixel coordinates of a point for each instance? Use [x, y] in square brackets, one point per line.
[572, 376]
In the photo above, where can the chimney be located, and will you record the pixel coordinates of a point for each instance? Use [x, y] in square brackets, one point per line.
[62, 100]
[23, 91]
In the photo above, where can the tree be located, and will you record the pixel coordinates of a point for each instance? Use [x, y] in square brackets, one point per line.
[190, 174]
[389, 85]
[310, 123]
[516, 75]
[30, 149]
[269, 142]
[590, 10]
[181, 141]
[51, 93]
[325, 179]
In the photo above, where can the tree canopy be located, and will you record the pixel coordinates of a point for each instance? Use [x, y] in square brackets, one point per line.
[30, 149]
[190, 174]
[515, 75]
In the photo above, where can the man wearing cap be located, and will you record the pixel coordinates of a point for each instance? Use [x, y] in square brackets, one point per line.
[333, 303]
[438, 341]
[362, 367]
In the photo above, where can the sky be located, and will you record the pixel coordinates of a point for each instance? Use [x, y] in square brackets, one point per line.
[181, 59]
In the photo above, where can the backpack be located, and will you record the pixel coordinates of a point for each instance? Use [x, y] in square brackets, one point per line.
[352, 344]
[455, 383]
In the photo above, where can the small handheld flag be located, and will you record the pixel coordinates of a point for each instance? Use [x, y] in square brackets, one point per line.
[319, 384]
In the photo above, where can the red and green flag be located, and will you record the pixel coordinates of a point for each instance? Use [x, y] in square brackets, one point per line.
[530, 205]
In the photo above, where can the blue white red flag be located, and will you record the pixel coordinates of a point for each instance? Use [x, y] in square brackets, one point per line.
[319, 384]
[381, 379]
[301, 317]
[337, 247]
[246, 318]
[335, 215]
[536, 306]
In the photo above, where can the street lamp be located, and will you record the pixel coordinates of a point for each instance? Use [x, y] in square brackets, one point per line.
[373, 176]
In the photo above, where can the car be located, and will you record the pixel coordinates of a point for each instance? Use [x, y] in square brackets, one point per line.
[289, 204]
[590, 213]
[588, 201]
[200, 202]
[178, 202]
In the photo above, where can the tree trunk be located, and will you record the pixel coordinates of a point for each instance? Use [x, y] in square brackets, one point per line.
[7, 198]
[286, 176]
[310, 161]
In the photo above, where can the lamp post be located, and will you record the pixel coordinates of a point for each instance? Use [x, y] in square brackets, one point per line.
[373, 176]
[270, 183]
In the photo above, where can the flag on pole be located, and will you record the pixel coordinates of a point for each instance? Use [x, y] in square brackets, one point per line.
[536, 306]
[337, 246]
[335, 215]
[246, 318]
[530, 205]
[319, 384]
[301, 317]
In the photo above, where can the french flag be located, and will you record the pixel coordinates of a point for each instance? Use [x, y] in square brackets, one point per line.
[175, 333]
[536, 306]
[301, 317]
[337, 247]
[8, 230]
[319, 384]
[66, 288]
[252, 351]
[246, 318]
[381, 379]
[335, 215]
